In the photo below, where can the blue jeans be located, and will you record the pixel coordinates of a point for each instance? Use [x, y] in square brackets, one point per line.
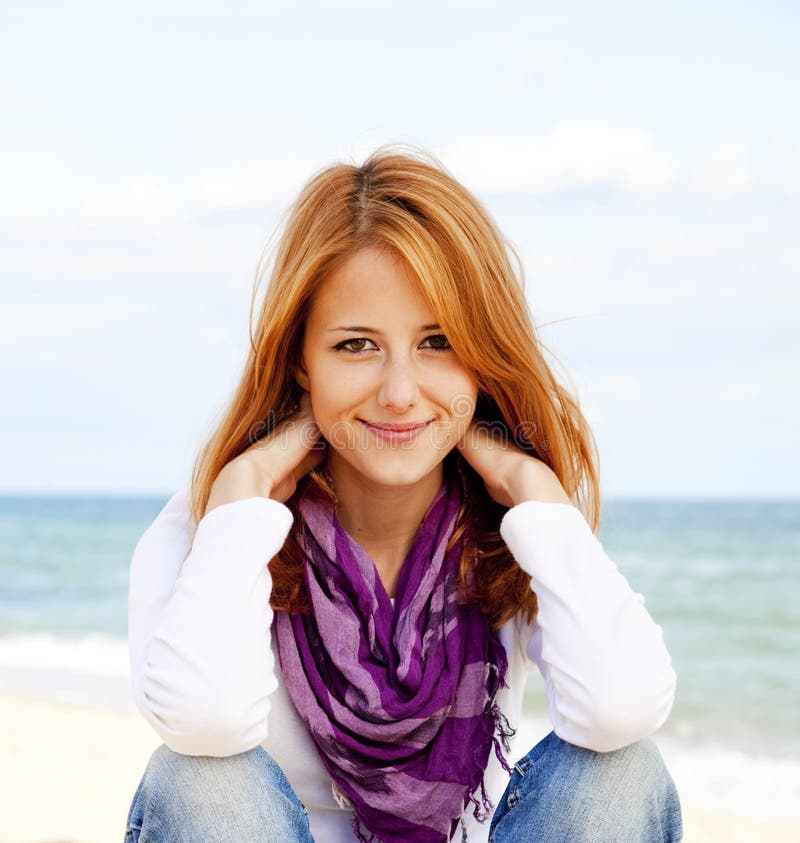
[558, 793]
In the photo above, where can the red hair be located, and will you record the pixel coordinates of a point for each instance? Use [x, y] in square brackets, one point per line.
[407, 201]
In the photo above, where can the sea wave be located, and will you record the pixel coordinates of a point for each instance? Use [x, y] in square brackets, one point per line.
[91, 654]
[90, 670]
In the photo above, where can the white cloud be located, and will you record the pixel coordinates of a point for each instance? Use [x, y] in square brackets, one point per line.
[791, 259]
[137, 203]
[103, 332]
[65, 331]
[611, 395]
[215, 334]
[732, 388]
[511, 83]
[683, 243]
[602, 395]
[17, 98]
[544, 260]
[540, 60]
[104, 265]
[570, 156]
[254, 186]
[726, 170]
[47, 228]
[620, 383]
[623, 388]
[197, 258]
[33, 318]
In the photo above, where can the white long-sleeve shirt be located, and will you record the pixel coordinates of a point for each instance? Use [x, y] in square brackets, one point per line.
[206, 676]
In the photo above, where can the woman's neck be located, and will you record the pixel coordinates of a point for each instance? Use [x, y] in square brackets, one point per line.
[382, 519]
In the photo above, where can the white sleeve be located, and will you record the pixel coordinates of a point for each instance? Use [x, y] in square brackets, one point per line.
[199, 624]
[608, 674]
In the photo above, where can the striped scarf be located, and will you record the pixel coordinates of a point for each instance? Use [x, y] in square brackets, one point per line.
[399, 700]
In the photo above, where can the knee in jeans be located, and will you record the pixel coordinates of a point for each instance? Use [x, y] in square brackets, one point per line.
[198, 795]
[167, 760]
[172, 772]
[573, 793]
[644, 761]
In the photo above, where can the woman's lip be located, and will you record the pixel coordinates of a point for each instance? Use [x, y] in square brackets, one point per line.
[396, 435]
[398, 428]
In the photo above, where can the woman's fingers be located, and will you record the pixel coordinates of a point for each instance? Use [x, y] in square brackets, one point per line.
[289, 451]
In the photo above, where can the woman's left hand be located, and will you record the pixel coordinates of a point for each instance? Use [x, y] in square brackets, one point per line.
[510, 475]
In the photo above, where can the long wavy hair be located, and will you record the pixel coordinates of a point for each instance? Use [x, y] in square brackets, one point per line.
[403, 198]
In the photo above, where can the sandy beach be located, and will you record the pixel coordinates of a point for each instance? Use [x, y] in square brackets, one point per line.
[69, 773]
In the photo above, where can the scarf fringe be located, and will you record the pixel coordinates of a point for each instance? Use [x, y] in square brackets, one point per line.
[360, 834]
[484, 807]
[341, 798]
[506, 732]
[502, 733]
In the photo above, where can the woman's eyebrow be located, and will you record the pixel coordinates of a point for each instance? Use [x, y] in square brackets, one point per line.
[365, 330]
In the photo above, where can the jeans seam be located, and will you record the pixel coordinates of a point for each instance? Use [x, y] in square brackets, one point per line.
[133, 823]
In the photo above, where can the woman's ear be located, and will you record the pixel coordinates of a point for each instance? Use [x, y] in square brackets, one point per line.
[300, 375]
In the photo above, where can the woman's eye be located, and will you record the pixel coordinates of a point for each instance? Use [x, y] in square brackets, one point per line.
[356, 344]
[345, 343]
[440, 341]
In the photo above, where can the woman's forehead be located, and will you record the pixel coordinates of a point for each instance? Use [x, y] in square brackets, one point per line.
[371, 286]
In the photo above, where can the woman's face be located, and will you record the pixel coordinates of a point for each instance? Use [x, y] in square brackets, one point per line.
[373, 358]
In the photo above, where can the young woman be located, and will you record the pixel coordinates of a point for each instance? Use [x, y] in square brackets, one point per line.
[332, 627]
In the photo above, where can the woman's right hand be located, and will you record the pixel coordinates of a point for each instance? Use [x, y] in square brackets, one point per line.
[273, 466]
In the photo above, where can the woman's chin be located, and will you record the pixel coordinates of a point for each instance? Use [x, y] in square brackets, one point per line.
[395, 470]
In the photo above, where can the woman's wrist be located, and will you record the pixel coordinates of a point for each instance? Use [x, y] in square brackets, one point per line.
[535, 481]
[238, 480]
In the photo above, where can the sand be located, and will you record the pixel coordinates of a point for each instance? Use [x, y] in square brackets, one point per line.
[69, 772]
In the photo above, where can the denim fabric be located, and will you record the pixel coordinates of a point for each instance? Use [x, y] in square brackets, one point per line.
[558, 793]
[562, 793]
[204, 799]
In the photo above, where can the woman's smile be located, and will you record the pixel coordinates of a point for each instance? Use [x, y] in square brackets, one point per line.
[397, 432]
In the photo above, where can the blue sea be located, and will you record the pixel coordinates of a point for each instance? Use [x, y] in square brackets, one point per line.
[721, 578]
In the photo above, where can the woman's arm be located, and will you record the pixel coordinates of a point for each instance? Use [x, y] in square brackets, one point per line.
[199, 624]
[608, 675]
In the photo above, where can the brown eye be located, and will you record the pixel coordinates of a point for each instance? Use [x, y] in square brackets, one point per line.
[440, 342]
[343, 345]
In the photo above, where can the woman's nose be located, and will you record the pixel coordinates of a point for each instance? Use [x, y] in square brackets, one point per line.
[399, 388]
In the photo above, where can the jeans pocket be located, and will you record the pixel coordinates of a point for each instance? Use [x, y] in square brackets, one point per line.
[510, 796]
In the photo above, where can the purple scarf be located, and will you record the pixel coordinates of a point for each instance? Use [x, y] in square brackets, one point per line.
[399, 700]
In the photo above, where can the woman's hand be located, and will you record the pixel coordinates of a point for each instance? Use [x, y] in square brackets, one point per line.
[511, 476]
[273, 466]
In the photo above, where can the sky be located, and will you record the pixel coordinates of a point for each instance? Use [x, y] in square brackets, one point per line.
[641, 157]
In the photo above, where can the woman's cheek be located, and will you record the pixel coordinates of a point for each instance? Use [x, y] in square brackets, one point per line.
[341, 434]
